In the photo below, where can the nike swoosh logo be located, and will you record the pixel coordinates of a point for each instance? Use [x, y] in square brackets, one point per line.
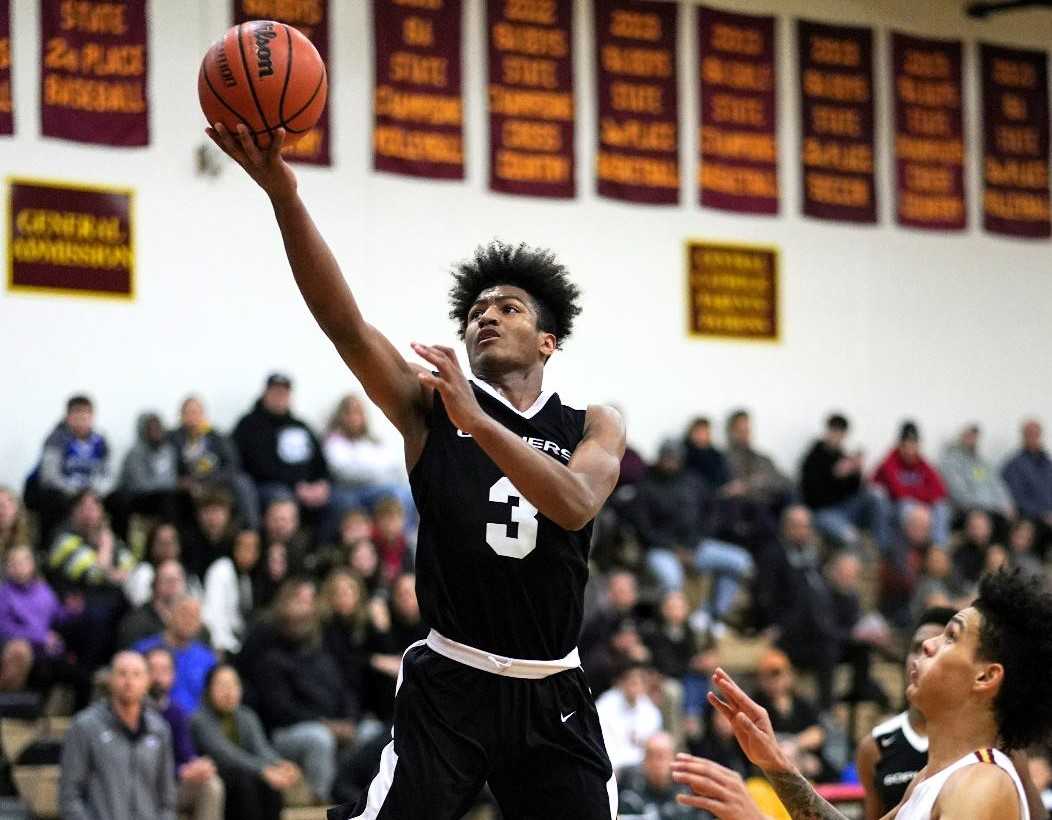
[567, 717]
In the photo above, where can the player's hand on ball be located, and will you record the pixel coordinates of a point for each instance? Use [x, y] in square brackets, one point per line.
[714, 788]
[752, 726]
[451, 383]
[265, 166]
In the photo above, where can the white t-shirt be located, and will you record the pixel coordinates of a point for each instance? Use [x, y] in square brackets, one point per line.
[626, 727]
[363, 462]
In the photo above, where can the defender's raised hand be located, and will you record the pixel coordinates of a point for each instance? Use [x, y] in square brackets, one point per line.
[752, 726]
[451, 383]
[265, 166]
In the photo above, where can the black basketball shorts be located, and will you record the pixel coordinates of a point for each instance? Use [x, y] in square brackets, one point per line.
[537, 742]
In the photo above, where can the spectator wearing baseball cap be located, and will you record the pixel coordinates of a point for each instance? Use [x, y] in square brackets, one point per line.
[281, 454]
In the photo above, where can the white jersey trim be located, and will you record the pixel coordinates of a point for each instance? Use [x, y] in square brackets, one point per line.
[902, 721]
[382, 782]
[529, 412]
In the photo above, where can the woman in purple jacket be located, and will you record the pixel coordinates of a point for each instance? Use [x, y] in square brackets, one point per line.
[34, 652]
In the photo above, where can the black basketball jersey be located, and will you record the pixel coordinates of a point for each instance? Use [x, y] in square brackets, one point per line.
[903, 753]
[492, 572]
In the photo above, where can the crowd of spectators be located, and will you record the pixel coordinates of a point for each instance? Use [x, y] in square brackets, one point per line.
[242, 602]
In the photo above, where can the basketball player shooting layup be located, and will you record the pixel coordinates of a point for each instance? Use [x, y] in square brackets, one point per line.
[984, 684]
[507, 480]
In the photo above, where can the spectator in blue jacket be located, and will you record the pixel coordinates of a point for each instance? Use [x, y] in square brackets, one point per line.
[1028, 475]
[193, 659]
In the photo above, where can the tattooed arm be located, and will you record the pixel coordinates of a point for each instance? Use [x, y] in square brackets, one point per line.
[752, 728]
[799, 797]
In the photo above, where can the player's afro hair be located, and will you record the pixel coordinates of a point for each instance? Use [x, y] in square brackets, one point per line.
[1016, 613]
[535, 270]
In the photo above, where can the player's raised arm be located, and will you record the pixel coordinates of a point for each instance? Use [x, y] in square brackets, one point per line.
[387, 377]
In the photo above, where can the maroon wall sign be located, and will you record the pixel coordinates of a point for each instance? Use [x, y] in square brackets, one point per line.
[311, 18]
[929, 132]
[418, 101]
[7, 120]
[531, 105]
[70, 239]
[638, 153]
[1015, 141]
[738, 134]
[93, 78]
[837, 122]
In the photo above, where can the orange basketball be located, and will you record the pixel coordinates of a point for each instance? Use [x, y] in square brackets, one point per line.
[266, 75]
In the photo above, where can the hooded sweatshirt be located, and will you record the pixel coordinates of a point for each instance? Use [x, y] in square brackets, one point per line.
[278, 448]
[917, 481]
[149, 467]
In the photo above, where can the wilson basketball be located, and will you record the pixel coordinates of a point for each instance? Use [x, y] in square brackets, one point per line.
[266, 75]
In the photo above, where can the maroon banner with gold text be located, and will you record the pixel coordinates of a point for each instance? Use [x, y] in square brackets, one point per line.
[70, 239]
[638, 154]
[93, 78]
[1015, 141]
[531, 104]
[311, 18]
[929, 132]
[738, 110]
[7, 111]
[837, 121]
[418, 102]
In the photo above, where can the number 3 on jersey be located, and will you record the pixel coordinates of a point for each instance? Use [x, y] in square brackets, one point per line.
[524, 514]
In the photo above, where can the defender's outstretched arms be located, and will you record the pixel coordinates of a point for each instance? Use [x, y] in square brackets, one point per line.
[389, 380]
[570, 495]
[752, 728]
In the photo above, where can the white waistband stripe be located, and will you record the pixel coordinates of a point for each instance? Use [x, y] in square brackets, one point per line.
[498, 664]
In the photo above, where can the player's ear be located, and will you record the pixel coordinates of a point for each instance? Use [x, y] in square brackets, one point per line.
[988, 678]
[546, 343]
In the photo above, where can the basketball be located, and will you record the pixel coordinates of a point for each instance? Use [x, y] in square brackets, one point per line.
[266, 75]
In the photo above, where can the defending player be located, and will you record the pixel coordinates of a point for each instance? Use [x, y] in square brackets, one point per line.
[892, 754]
[507, 481]
[982, 684]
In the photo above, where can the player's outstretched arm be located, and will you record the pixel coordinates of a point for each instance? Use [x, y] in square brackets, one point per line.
[752, 728]
[387, 377]
[571, 495]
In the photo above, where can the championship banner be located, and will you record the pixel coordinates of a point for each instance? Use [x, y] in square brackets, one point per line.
[1015, 142]
[732, 291]
[70, 239]
[531, 105]
[929, 132]
[638, 154]
[837, 121]
[311, 18]
[7, 119]
[93, 78]
[738, 112]
[418, 102]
